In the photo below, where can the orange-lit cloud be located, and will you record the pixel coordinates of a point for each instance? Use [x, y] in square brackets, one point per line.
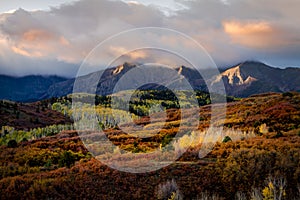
[64, 41]
[251, 34]
[35, 35]
[38, 43]
[232, 32]
[20, 51]
[121, 51]
[250, 28]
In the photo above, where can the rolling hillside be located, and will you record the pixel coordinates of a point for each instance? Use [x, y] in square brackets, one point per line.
[263, 145]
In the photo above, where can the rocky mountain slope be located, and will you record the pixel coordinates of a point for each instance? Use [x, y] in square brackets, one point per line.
[250, 78]
[242, 80]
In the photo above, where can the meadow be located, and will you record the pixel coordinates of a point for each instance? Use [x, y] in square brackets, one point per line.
[254, 156]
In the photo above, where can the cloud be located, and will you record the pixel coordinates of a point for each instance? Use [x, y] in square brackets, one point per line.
[132, 55]
[68, 33]
[242, 30]
[251, 28]
[251, 34]
[231, 31]
[261, 34]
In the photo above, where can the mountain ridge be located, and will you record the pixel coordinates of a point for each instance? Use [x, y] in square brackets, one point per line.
[27, 88]
[241, 80]
[252, 77]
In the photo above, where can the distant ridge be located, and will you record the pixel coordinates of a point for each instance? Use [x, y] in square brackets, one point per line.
[253, 77]
[27, 88]
[241, 80]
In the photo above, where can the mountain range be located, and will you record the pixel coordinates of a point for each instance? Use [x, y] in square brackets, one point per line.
[250, 78]
[241, 80]
[27, 88]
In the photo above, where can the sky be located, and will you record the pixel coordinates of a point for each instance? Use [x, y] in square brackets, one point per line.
[54, 37]
[10, 6]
